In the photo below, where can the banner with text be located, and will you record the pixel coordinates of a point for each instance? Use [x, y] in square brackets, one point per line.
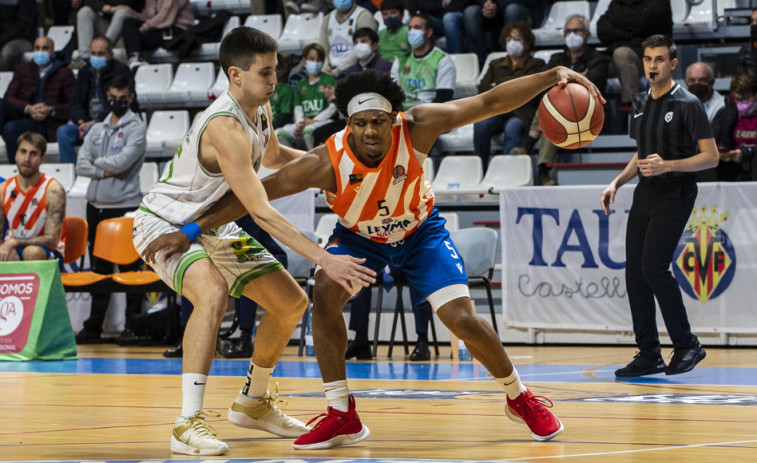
[563, 259]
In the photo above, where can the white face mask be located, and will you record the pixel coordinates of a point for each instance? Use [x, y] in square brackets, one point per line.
[574, 40]
[514, 48]
[363, 50]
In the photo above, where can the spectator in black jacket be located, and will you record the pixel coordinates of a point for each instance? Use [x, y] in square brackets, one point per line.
[88, 103]
[102, 17]
[747, 57]
[18, 29]
[622, 28]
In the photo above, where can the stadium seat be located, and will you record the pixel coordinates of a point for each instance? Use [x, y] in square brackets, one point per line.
[64, 173]
[466, 65]
[693, 19]
[60, 35]
[5, 80]
[209, 51]
[191, 85]
[148, 176]
[8, 170]
[152, 82]
[453, 220]
[457, 173]
[220, 86]
[325, 227]
[300, 30]
[457, 140]
[504, 171]
[269, 23]
[75, 232]
[551, 31]
[600, 9]
[208, 7]
[428, 169]
[545, 55]
[164, 126]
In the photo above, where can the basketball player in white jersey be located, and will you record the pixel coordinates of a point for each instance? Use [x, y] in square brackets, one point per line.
[374, 181]
[222, 151]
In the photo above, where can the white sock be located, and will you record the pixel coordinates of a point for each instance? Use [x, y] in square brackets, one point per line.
[192, 392]
[257, 381]
[338, 395]
[512, 385]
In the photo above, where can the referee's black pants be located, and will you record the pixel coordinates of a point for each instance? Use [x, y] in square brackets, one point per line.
[658, 215]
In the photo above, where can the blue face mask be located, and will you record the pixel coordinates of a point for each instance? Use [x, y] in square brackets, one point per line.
[98, 62]
[314, 67]
[415, 38]
[342, 5]
[393, 22]
[41, 58]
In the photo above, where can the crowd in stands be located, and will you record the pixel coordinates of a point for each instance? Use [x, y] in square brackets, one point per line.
[94, 115]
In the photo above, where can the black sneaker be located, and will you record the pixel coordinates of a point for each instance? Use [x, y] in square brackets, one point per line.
[239, 348]
[421, 351]
[174, 352]
[359, 350]
[642, 366]
[685, 359]
[86, 336]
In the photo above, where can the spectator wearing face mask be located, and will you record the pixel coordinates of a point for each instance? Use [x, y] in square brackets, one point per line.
[336, 34]
[428, 74]
[518, 39]
[699, 81]
[311, 107]
[89, 101]
[393, 39]
[747, 57]
[735, 129]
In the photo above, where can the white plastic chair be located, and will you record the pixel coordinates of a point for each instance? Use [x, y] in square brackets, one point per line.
[64, 173]
[8, 170]
[300, 30]
[477, 247]
[553, 26]
[506, 171]
[148, 176]
[428, 169]
[191, 84]
[60, 35]
[165, 126]
[325, 227]
[268, 23]
[5, 80]
[453, 220]
[456, 173]
[691, 19]
[209, 51]
[220, 86]
[545, 55]
[466, 65]
[152, 81]
[601, 9]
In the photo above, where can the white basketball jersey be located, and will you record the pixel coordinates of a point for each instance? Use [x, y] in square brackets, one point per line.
[186, 189]
[340, 36]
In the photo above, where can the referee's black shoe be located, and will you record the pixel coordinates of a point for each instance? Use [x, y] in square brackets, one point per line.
[642, 366]
[685, 359]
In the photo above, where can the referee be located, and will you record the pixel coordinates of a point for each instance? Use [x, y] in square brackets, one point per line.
[674, 140]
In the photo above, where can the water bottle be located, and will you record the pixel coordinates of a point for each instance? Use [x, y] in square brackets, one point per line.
[462, 351]
[309, 346]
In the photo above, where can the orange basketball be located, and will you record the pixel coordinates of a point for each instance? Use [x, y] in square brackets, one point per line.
[570, 117]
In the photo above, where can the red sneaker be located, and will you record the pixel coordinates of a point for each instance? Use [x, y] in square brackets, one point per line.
[532, 410]
[335, 429]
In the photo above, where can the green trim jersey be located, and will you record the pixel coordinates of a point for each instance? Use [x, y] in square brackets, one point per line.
[282, 100]
[420, 78]
[393, 45]
[310, 96]
[186, 189]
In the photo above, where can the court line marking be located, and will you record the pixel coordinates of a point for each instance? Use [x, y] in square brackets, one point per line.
[618, 452]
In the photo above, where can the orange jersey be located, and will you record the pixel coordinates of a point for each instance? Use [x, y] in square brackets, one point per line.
[26, 211]
[385, 203]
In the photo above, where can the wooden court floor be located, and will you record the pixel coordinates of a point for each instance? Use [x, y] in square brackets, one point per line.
[120, 403]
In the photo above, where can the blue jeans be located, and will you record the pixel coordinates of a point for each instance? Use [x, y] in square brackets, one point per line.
[515, 10]
[67, 135]
[483, 132]
[469, 23]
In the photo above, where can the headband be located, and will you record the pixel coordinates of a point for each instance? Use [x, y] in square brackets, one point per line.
[368, 101]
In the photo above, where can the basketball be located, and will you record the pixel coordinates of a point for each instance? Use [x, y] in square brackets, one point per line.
[570, 117]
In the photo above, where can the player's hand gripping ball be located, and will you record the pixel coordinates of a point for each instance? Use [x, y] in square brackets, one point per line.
[570, 117]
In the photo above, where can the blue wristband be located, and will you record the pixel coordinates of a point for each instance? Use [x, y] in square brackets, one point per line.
[192, 230]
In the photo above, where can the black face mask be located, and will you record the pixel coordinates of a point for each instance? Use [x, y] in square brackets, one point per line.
[753, 34]
[118, 107]
[700, 91]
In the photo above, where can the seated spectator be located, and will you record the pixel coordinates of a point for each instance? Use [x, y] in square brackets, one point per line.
[311, 108]
[735, 129]
[336, 34]
[464, 28]
[747, 57]
[622, 28]
[282, 100]
[428, 74]
[530, 12]
[580, 57]
[102, 18]
[157, 23]
[33, 206]
[38, 97]
[88, 104]
[62, 10]
[393, 39]
[700, 81]
[112, 155]
[18, 28]
[519, 41]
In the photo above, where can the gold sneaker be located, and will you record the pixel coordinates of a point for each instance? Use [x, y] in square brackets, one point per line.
[193, 436]
[266, 416]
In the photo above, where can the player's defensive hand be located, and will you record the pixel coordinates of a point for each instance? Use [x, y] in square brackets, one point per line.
[171, 243]
[565, 75]
[346, 270]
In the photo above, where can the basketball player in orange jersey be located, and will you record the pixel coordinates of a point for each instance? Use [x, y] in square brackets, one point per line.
[34, 206]
[372, 174]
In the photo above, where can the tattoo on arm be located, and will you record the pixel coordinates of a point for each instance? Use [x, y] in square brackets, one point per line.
[56, 212]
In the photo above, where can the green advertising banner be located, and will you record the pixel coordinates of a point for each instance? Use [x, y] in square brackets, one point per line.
[34, 321]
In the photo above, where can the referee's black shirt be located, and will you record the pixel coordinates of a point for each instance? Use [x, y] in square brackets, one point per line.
[670, 126]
